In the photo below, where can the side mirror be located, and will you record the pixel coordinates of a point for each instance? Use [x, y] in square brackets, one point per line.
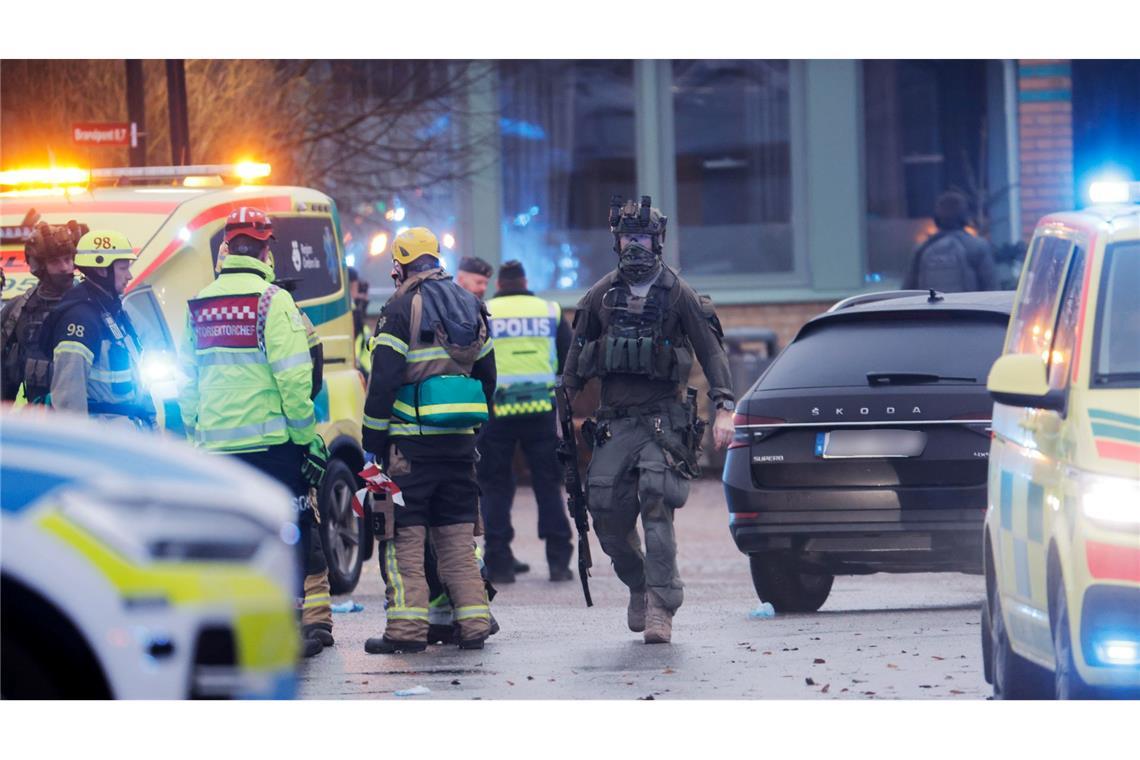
[1020, 380]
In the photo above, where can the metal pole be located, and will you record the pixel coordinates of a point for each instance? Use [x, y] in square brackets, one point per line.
[179, 115]
[136, 110]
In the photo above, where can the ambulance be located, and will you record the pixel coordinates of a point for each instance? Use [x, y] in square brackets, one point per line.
[174, 217]
[1062, 527]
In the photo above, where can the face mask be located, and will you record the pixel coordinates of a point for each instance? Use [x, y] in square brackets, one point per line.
[638, 264]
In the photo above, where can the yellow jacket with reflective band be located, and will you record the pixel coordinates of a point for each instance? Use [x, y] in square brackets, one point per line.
[525, 331]
[246, 356]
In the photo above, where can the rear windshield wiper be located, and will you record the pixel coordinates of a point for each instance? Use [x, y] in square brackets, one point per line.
[913, 378]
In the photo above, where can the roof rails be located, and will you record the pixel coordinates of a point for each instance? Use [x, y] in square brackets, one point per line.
[882, 295]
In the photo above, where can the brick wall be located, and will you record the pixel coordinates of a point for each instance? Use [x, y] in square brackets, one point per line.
[1045, 137]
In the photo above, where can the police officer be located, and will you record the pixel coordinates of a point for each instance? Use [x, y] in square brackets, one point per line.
[92, 344]
[50, 253]
[433, 378]
[531, 340]
[637, 330]
[249, 392]
[358, 291]
[474, 275]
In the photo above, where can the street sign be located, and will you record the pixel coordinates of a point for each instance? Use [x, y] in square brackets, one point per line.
[105, 134]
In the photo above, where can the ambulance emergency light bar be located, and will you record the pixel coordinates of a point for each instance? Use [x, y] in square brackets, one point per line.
[245, 171]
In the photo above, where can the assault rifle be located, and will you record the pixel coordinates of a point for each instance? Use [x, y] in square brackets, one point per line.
[575, 496]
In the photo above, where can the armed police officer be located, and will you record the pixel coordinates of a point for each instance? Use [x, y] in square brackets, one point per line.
[432, 382]
[637, 330]
[93, 345]
[50, 253]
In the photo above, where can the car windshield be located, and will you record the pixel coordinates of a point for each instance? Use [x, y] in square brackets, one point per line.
[1117, 359]
[891, 348]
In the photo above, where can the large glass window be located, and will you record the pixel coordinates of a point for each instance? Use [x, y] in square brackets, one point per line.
[924, 125]
[567, 145]
[734, 195]
[1032, 328]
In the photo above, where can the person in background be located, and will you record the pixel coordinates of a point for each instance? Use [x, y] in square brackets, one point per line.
[952, 260]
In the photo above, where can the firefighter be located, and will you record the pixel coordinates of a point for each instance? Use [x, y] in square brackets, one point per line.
[433, 379]
[93, 346]
[50, 253]
[249, 393]
[531, 340]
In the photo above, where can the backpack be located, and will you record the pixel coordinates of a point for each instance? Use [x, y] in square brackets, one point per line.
[942, 263]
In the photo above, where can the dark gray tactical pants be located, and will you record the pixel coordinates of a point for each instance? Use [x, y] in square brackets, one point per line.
[629, 476]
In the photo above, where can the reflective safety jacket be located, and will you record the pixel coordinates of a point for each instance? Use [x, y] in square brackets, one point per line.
[246, 356]
[95, 356]
[525, 330]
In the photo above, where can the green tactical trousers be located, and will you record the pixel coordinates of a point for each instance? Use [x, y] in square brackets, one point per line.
[630, 475]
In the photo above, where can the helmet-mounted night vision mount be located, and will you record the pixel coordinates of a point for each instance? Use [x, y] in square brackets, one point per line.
[628, 217]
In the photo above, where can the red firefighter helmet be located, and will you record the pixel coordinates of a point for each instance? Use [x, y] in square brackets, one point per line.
[250, 221]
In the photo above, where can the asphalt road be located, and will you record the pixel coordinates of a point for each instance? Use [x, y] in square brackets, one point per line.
[877, 637]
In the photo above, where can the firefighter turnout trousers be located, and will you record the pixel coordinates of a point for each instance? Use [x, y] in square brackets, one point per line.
[441, 505]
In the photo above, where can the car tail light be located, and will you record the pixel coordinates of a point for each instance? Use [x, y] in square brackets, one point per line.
[742, 422]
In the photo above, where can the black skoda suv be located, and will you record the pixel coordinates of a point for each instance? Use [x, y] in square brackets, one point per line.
[863, 447]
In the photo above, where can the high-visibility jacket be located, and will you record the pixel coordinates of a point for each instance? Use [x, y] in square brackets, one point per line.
[525, 330]
[246, 356]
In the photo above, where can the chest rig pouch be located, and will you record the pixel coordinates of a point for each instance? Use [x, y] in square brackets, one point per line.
[639, 337]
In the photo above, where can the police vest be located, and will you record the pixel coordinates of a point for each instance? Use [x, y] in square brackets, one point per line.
[525, 331]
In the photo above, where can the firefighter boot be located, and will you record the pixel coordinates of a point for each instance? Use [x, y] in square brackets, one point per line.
[406, 592]
[459, 572]
[658, 621]
[635, 613]
[316, 610]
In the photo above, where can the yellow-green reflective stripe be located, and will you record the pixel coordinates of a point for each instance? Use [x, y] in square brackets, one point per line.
[473, 611]
[295, 360]
[407, 613]
[228, 358]
[427, 354]
[111, 376]
[405, 409]
[72, 347]
[451, 408]
[373, 423]
[391, 341]
[310, 420]
[317, 601]
[265, 624]
[490, 344]
[275, 425]
[400, 428]
[394, 575]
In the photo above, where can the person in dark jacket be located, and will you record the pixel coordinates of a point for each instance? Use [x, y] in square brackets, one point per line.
[952, 260]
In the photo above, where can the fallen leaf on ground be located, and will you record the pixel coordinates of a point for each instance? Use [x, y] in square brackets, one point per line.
[530, 678]
[825, 689]
[809, 682]
[818, 661]
[455, 682]
[668, 671]
[892, 666]
[936, 657]
[512, 683]
[955, 691]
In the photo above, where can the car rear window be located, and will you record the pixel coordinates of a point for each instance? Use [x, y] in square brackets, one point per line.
[840, 353]
[305, 252]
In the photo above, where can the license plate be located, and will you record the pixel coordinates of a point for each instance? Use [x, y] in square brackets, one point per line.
[869, 444]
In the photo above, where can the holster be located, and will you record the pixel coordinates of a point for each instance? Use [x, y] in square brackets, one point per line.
[382, 514]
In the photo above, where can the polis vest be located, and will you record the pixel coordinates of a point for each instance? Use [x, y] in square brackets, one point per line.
[525, 330]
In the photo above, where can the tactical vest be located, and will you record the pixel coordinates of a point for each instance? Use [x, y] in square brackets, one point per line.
[639, 336]
[438, 394]
[24, 362]
[525, 331]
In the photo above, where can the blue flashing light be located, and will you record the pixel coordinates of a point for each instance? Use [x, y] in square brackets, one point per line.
[523, 129]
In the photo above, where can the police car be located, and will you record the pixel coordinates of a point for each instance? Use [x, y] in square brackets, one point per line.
[136, 568]
[1062, 527]
[175, 218]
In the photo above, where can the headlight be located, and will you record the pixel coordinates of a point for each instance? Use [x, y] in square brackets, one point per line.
[160, 374]
[146, 530]
[1111, 500]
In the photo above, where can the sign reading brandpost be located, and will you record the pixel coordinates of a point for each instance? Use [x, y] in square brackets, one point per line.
[105, 134]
